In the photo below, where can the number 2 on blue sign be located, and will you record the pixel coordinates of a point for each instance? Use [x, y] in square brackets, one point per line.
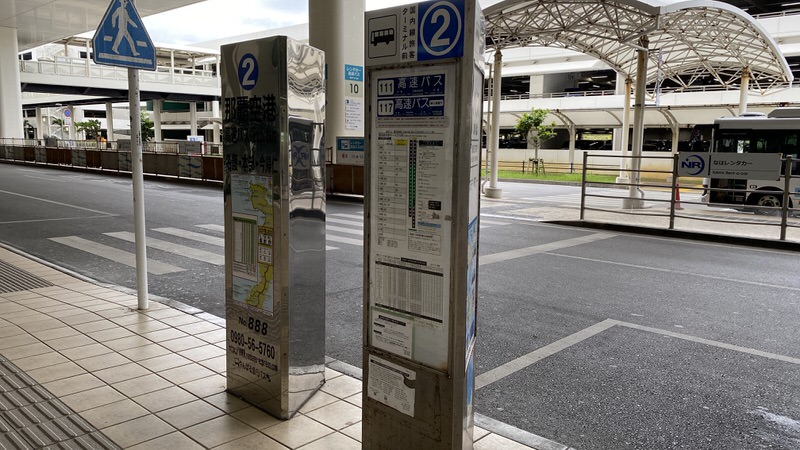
[248, 71]
[443, 20]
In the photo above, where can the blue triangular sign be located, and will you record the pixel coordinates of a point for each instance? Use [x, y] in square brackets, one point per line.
[121, 39]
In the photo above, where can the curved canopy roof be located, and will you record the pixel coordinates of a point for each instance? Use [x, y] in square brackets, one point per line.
[694, 39]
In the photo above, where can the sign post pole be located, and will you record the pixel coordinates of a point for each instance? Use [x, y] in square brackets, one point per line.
[424, 94]
[140, 230]
[121, 40]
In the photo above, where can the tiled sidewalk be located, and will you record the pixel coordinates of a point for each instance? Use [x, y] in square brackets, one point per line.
[147, 380]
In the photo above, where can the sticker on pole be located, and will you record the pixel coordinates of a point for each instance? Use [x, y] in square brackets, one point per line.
[122, 40]
[415, 32]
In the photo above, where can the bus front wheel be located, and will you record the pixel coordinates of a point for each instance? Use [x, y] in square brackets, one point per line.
[768, 204]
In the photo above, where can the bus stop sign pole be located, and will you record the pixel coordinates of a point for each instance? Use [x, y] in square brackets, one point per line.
[424, 94]
[121, 40]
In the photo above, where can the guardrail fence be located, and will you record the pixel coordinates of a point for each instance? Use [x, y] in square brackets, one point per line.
[183, 159]
[683, 203]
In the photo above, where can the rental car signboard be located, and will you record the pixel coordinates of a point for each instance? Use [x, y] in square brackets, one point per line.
[738, 166]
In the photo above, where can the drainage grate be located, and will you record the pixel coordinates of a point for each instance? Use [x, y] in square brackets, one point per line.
[31, 417]
[14, 279]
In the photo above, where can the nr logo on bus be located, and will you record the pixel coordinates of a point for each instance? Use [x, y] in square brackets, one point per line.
[693, 165]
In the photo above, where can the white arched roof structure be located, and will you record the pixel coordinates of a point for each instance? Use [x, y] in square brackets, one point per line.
[696, 38]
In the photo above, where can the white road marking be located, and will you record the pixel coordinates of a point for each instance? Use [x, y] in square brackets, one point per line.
[543, 248]
[686, 337]
[114, 254]
[55, 220]
[212, 227]
[345, 222]
[344, 230]
[345, 240]
[513, 366]
[191, 235]
[681, 272]
[492, 222]
[358, 217]
[58, 203]
[182, 250]
[515, 218]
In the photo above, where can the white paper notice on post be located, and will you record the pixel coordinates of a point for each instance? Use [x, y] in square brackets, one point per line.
[392, 385]
[392, 333]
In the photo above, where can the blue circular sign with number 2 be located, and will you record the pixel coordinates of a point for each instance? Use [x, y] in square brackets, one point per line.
[440, 29]
[248, 71]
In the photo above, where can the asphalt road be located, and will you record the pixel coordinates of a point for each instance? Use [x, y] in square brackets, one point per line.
[625, 341]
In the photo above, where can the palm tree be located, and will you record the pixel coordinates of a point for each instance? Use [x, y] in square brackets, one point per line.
[60, 123]
[91, 128]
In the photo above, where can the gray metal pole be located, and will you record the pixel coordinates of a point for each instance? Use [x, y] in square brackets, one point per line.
[494, 140]
[138, 188]
[635, 194]
[787, 178]
[743, 91]
[673, 192]
[583, 184]
[626, 129]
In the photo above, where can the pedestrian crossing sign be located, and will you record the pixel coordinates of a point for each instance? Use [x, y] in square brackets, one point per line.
[122, 40]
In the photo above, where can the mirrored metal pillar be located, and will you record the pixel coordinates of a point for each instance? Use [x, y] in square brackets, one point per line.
[273, 111]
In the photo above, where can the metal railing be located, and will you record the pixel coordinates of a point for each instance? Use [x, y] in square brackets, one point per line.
[77, 67]
[658, 204]
[181, 159]
[651, 92]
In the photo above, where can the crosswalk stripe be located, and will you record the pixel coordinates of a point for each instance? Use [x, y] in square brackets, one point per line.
[344, 230]
[114, 254]
[212, 227]
[345, 222]
[191, 235]
[358, 217]
[345, 240]
[492, 222]
[330, 247]
[182, 250]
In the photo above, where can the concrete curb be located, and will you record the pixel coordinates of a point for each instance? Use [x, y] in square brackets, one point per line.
[692, 235]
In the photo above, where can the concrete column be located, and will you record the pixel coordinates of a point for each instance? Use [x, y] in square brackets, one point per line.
[624, 176]
[536, 86]
[88, 57]
[193, 118]
[216, 120]
[157, 120]
[635, 194]
[110, 121]
[744, 90]
[493, 142]
[573, 131]
[337, 27]
[676, 134]
[11, 124]
[172, 66]
[39, 122]
[71, 133]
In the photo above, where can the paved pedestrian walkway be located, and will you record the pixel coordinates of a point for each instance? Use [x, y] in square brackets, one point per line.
[80, 367]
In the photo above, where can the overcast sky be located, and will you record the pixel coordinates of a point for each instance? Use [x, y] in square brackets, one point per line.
[214, 19]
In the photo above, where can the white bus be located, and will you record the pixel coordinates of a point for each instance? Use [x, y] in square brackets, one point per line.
[778, 132]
